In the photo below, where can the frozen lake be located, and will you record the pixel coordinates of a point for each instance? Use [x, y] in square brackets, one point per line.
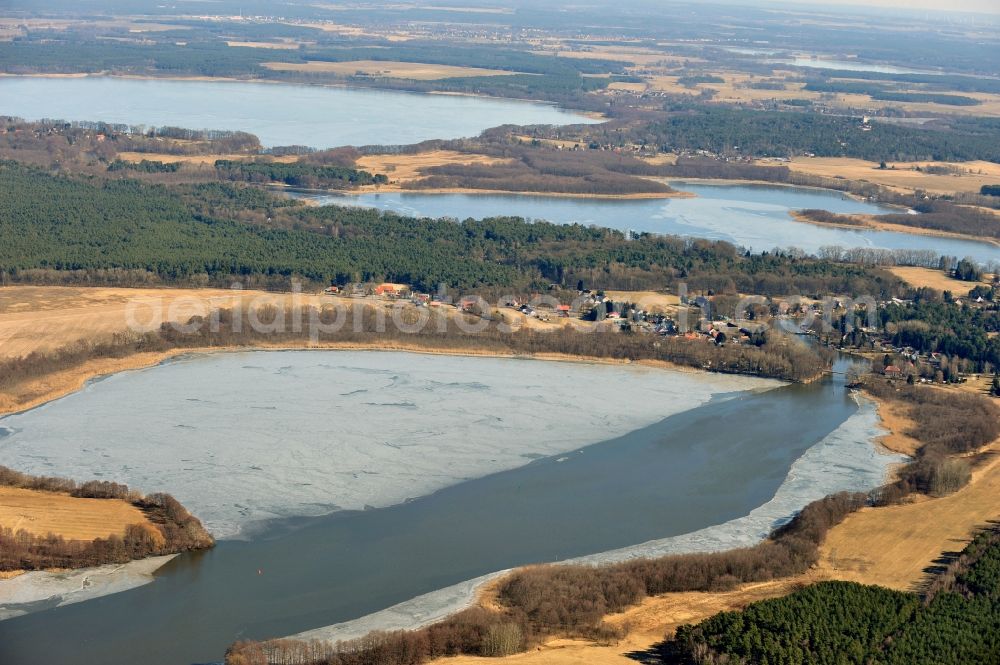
[444, 469]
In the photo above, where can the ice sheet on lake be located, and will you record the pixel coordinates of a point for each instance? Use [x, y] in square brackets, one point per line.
[250, 436]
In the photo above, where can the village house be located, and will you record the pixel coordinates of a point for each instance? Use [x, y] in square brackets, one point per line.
[389, 290]
[892, 372]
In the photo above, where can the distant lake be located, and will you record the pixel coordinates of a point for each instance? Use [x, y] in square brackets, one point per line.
[279, 114]
[752, 216]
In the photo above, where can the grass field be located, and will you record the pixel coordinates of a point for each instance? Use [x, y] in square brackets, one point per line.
[931, 278]
[894, 545]
[648, 300]
[42, 513]
[406, 168]
[902, 175]
[46, 318]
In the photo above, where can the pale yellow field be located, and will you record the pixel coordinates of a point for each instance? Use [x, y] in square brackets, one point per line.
[934, 279]
[42, 513]
[647, 624]
[46, 318]
[735, 89]
[407, 70]
[661, 158]
[405, 168]
[338, 28]
[892, 545]
[903, 176]
[167, 158]
[628, 87]
[990, 105]
[279, 46]
[402, 169]
[648, 300]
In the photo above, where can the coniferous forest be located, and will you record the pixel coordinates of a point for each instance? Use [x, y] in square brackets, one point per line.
[956, 621]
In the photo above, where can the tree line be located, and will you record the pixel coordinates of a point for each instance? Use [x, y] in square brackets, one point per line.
[297, 174]
[884, 92]
[935, 216]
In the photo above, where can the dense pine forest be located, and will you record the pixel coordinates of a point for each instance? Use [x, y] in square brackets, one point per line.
[296, 174]
[956, 622]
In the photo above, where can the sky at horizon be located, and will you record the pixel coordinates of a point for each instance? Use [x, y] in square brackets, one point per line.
[957, 7]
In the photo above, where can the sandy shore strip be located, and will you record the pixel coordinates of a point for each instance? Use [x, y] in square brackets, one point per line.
[43, 590]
